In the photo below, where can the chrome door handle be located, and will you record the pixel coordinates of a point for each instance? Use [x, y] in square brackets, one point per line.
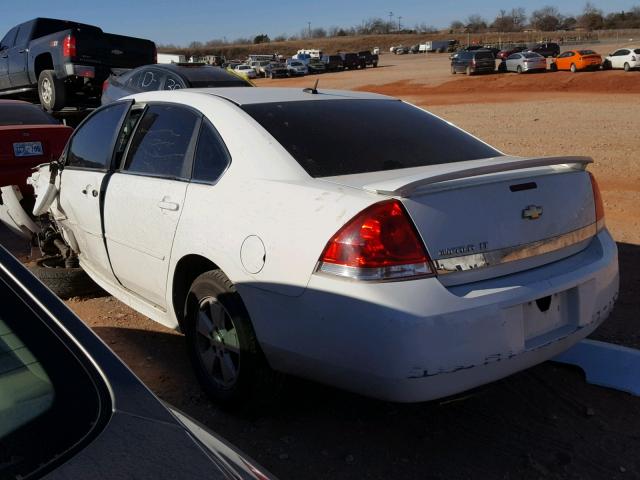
[169, 206]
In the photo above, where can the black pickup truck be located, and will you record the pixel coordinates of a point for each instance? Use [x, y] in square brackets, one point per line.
[65, 62]
[368, 58]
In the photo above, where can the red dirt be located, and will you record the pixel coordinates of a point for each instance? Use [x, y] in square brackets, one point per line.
[492, 88]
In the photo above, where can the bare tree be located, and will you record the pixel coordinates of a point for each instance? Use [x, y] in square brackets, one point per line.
[475, 23]
[591, 18]
[546, 19]
[456, 26]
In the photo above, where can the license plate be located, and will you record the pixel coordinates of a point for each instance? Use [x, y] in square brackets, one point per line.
[27, 149]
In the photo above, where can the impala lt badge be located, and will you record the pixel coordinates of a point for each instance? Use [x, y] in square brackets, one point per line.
[532, 212]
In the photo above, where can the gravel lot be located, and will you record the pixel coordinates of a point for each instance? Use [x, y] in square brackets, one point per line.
[542, 423]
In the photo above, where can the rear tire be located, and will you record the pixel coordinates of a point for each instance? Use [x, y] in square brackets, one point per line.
[453, 70]
[606, 65]
[223, 347]
[51, 91]
[627, 67]
[553, 67]
[63, 281]
[469, 72]
[518, 69]
[573, 68]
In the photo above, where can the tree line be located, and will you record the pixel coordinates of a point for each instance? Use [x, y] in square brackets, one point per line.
[546, 19]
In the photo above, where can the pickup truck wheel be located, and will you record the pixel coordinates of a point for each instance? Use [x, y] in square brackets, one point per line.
[469, 72]
[63, 281]
[51, 91]
[223, 347]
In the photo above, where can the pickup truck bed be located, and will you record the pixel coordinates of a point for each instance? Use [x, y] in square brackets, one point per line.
[65, 62]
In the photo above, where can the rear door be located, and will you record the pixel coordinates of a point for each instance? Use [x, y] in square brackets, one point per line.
[83, 184]
[145, 198]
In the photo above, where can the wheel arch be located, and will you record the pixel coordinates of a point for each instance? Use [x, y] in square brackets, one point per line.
[43, 61]
[187, 269]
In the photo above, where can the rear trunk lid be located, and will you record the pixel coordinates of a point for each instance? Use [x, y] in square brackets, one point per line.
[486, 218]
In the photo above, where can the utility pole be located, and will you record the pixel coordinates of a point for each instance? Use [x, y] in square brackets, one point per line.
[309, 28]
[399, 27]
[390, 20]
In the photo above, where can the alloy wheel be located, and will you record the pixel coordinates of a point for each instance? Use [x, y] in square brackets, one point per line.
[217, 343]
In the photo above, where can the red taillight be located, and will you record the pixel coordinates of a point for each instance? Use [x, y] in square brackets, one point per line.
[380, 243]
[597, 200]
[105, 84]
[69, 46]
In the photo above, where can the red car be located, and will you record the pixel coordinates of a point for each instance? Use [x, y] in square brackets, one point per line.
[503, 54]
[28, 137]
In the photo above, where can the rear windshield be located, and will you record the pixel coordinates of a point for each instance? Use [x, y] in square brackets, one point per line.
[480, 55]
[637, 50]
[21, 114]
[205, 77]
[531, 55]
[586, 52]
[343, 137]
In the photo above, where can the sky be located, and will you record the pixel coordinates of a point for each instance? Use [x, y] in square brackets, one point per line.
[175, 22]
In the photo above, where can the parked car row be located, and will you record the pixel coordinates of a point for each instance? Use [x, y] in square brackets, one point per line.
[303, 64]
[521, 60]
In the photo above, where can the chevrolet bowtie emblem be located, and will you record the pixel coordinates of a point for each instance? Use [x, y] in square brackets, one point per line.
[532, 212]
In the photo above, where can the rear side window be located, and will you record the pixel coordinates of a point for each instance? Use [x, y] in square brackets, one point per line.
[637, 50]
[24, 114]
[163, 142]
[390, 135]
[92, 144]
[211, 157]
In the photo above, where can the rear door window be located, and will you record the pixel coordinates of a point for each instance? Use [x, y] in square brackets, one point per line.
[92, 143]
[23, 35]
[163, 142]
[390, 135]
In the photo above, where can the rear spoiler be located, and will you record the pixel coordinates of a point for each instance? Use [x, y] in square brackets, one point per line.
[407, 185]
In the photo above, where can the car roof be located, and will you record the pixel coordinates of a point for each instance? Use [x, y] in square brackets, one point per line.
[240, 95]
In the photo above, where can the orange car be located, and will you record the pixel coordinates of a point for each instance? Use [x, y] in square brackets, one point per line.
[575, 60]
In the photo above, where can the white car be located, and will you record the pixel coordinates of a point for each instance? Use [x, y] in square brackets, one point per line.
[246, 71]
[627, 58]
[413, 262]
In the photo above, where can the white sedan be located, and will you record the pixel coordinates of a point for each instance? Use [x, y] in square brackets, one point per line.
[403, 259]
[246, 71]
[627, 58]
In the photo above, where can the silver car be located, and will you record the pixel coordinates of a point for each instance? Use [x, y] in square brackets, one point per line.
[526, 62]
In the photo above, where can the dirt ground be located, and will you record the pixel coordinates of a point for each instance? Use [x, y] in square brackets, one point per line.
[545, 422]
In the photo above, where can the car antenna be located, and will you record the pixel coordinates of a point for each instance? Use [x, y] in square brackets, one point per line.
[313, 90]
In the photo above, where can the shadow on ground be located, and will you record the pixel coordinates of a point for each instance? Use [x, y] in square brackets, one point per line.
[545, 422]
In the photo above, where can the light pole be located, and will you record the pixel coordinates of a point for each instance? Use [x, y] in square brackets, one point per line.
[309, 29]
[390, 20]
[399, 18]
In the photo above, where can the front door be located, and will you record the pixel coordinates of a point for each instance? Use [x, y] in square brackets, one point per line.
[83, 183]
[5, 45]
[145, 197]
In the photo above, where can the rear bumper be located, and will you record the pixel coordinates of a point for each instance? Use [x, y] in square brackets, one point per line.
[417, 340]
